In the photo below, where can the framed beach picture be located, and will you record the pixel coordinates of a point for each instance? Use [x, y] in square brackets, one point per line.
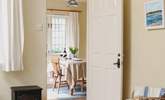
[154, 14]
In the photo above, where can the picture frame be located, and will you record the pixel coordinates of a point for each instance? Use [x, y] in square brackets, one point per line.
[154, 14]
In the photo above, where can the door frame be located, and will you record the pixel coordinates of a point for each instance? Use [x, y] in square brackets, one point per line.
[87, 42]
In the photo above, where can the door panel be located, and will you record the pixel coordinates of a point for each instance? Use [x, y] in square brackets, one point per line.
[102, 84]
[104, 49]
[97, 89]
[105, 27]
[104, 61]
[103, 7]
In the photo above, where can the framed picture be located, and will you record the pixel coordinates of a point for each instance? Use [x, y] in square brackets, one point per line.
[154, 14]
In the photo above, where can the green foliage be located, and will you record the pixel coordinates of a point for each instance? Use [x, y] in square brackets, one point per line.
[73, 50]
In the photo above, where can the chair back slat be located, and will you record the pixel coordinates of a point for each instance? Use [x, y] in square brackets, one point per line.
[56, 65]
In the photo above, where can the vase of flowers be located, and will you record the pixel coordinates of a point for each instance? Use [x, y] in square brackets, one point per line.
[73, 51]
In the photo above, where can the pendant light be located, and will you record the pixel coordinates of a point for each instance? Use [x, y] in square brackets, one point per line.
[72, 3]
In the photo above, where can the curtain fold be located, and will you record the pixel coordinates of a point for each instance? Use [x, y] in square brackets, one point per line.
[72, 30]
[11, 35]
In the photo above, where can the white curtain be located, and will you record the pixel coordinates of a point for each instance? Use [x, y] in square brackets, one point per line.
[73, 30]
[11, 35]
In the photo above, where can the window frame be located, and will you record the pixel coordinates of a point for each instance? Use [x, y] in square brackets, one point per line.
[50, 36]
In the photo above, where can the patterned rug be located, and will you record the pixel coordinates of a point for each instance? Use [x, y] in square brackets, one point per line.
[64, 93]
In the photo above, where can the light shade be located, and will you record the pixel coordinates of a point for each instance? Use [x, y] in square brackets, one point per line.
[72, 3]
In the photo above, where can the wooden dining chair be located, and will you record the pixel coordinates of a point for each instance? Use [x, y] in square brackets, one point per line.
[57, 71]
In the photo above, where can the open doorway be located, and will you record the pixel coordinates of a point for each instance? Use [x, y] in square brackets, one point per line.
[66, 48]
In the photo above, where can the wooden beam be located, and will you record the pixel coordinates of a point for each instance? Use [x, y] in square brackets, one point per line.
[64, 10]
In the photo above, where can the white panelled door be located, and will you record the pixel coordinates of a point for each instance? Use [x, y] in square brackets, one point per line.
[105, 49]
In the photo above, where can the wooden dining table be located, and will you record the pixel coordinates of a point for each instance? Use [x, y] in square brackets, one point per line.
[74, 71]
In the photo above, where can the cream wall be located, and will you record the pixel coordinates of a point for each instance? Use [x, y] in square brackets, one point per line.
[61, 4]
[144, 50]
[34, 58]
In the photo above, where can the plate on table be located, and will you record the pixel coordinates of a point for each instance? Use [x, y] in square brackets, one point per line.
[77, 59]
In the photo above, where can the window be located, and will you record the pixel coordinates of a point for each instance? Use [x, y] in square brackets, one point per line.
[58, 33]
[63, 32]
